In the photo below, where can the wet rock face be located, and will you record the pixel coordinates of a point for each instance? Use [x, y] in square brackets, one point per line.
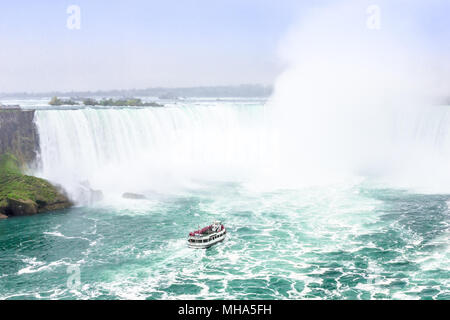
[33, 199]
[21, 207]
[89, 195]
[18, 135]
[22, 195]
[31, 195]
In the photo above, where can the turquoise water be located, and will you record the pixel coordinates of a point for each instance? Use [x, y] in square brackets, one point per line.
[337, 242]
[362, 238]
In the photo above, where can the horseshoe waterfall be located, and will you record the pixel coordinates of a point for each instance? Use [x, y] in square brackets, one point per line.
[366, 234]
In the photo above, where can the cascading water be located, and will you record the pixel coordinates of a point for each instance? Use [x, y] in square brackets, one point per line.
[355, 101]
[157, 149]
[352, 103]
[151, 149]
[336, 241]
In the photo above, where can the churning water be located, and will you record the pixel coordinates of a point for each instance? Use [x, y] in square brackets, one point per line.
[353, 238]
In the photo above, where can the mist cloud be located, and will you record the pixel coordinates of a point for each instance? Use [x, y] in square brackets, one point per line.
[352, 96]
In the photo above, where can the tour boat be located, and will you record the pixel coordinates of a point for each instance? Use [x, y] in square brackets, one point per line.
[206, 237]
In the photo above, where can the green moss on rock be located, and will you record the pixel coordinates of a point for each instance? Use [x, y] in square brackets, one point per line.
[9, 164]
[25, 195]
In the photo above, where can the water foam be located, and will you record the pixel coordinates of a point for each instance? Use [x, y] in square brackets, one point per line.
[151, 149]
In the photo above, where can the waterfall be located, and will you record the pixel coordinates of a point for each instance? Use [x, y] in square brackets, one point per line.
[149, 149]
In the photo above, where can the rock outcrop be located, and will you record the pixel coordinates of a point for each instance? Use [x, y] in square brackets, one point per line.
[19, 207]
[89, 195]
[22, 195]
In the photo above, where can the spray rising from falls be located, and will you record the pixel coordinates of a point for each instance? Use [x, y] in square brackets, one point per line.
[356, 101]
[152, 149]
[353, 102]
[166, 149]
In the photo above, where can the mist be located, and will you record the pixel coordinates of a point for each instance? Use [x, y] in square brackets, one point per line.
[359, 98]
[358, 101]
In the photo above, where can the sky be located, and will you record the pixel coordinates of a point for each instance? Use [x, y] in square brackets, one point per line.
[147, 43]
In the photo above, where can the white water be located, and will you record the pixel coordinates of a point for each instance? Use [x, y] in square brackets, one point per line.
[352, 103]
[359, 102]
[158, 150]
[152, 149]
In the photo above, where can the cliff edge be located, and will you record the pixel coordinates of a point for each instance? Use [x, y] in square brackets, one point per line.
[22, 195]
[18, 135]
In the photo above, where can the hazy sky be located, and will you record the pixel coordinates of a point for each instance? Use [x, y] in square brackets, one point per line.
[147, 43]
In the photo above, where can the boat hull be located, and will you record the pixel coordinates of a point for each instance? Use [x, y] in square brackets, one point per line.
[206, 242]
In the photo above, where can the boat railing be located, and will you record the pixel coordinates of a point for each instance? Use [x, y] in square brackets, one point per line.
[206, 236]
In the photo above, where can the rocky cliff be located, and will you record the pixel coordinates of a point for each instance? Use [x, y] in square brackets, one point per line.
[18, 135]
[22, 194]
